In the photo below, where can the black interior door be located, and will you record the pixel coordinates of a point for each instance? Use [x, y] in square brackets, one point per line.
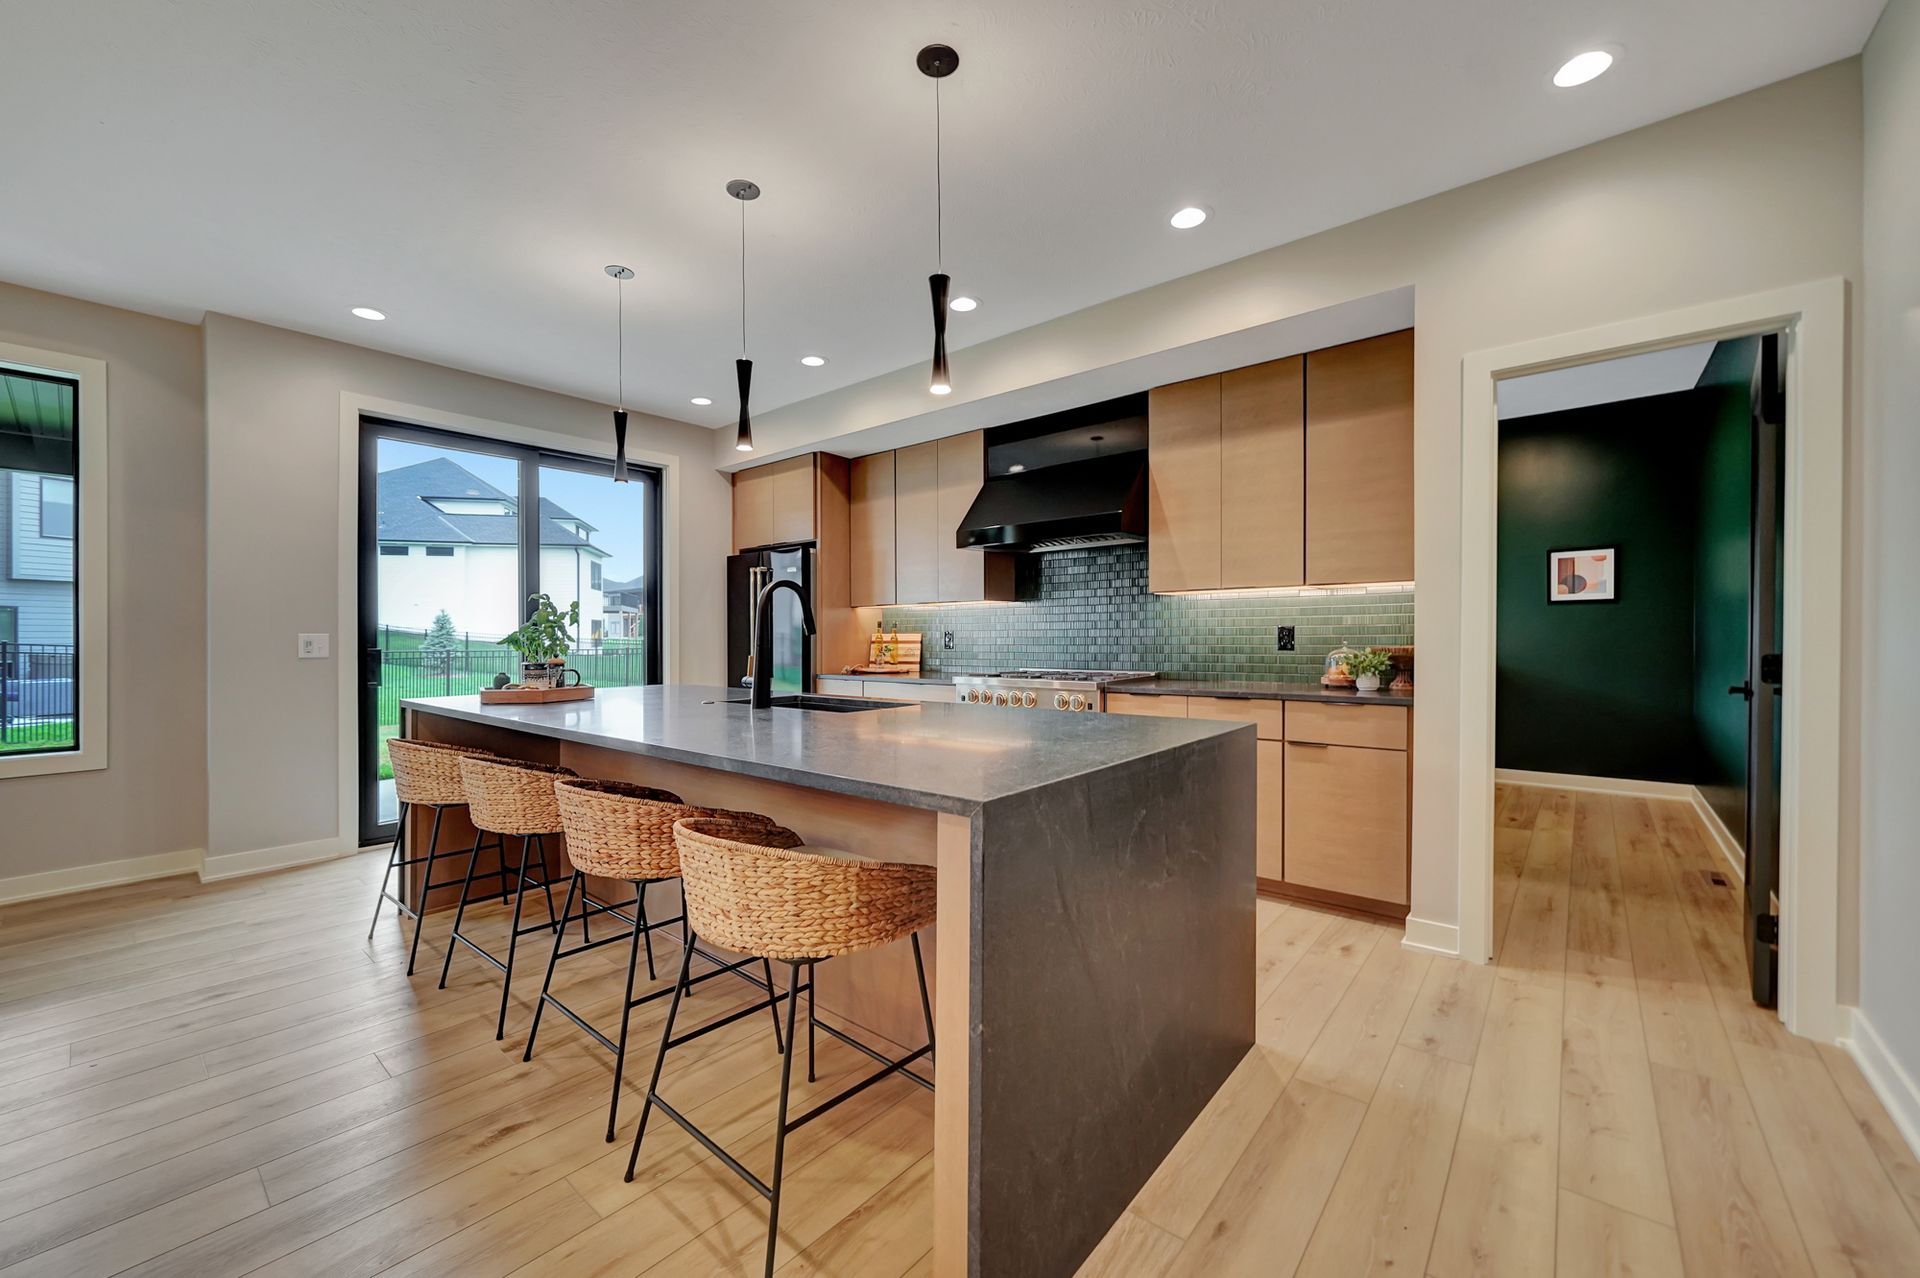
[1763, 675]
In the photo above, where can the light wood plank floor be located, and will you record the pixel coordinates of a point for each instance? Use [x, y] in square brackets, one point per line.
[1604, 1099]
[228, 1079]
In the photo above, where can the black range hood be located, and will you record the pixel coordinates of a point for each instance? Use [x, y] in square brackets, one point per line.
[1063, 482]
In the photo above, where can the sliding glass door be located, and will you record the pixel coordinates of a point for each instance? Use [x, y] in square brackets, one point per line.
[456, 534]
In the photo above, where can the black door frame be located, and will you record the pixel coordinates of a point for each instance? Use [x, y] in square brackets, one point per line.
[530, 458]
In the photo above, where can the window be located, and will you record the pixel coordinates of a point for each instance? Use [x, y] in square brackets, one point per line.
[53, 669]
[56, 507]
[593, 576]
[439, 552]
[395, 550]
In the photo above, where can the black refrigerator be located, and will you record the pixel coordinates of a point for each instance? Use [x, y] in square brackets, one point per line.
[747, 575]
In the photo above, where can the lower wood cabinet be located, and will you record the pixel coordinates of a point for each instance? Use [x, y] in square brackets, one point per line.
[1270, 811]
[1346, 820]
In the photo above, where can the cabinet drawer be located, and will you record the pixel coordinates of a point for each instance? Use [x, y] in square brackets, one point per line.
[1346, 820]
[1345, 724]
[1143, 703]
[833, 686]
[1265, 716]
[896, 690]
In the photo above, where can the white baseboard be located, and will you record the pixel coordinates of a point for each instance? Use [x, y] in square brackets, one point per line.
[232, 865]
[1889, 1080]
[1730, 850]
[1595, 785]
[83, 878]
[1432, 938]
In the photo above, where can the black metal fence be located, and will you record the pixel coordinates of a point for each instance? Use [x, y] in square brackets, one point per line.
[424, 672]
[39, 693]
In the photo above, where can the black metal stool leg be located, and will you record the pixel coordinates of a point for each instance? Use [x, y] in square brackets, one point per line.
[813, 974]
[773, 1006]
[780, 1131]
[626, 1014]
[513, 936]
[540, 1005]
[460, 914]
[426, 879]
[393, 863]
[646, 930]
[666, 1036]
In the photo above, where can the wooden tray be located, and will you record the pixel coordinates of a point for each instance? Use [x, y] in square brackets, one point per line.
[892, 652]
[523, 696]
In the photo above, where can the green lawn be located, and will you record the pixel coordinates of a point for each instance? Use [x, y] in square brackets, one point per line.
[37, 737]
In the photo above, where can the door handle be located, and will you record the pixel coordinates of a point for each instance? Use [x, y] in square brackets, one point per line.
[1742, 690]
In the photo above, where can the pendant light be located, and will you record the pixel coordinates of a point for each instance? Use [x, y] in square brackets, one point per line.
[937, 62]
[620, 274]
[743, 191]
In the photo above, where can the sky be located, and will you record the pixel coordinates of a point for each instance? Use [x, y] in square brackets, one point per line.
[617, 511]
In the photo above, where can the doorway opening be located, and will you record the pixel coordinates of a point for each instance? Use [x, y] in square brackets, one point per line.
[1640, 598]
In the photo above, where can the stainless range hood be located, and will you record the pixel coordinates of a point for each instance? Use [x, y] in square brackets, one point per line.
[1067, 481]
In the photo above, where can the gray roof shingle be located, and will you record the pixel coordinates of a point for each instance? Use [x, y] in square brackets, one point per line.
[407, 513]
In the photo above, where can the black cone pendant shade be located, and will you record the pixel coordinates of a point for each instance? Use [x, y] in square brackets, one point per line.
[941, 383]
[620, 274]
[937, 62]
[743, 191]
[743, 373]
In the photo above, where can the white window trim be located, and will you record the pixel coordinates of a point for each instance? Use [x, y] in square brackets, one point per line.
[90, 561]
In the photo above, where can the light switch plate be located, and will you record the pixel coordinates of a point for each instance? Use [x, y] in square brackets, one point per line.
[313, 647]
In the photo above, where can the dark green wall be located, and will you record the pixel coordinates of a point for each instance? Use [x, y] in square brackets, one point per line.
[1722, 571]
[1599, 689]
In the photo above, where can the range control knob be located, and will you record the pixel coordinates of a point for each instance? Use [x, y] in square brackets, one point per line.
[1059, 701]
[1076, 702]
[1013, 700]
[999, 698]
[971, 694]
[1027, 699]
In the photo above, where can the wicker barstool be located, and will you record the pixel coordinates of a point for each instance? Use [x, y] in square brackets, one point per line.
[616, 830]
[508, 797]
[759, 890]
[425, 774]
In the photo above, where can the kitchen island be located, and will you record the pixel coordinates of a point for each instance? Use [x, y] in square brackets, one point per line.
[1094, 958]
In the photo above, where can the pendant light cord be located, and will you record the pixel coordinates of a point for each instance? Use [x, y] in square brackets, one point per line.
[939, 195]
[620, 340]
[743, 278]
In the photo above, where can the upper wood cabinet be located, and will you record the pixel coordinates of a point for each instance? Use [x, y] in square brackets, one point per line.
[871, 524]
[1360, 461]
[774, 503]
[966, 575]
[1294, 472]
[1263, 475]
[916, 508]
[1183, 485]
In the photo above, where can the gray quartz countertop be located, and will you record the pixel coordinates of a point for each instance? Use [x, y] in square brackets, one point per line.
[939, 755]
[1258, 690]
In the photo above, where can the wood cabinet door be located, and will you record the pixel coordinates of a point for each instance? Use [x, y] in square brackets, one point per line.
[1360, 461]
[793, 499]
[1345, 723]
[1148, 704]
[966, 575]
[1183, 485]
[1269, 828]
[916, 497]
[1263, 475]
[1267, 717]
[1346, 820]
[752, 508]
[870, 518]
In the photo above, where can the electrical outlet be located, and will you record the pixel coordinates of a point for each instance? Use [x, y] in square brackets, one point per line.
[946, 640]
[313, 647]
[1283, 638]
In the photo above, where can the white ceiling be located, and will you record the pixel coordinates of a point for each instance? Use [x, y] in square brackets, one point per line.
[1607, 381]
[468, 166]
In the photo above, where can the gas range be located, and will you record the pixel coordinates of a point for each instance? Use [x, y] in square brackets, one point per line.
[1074, 690]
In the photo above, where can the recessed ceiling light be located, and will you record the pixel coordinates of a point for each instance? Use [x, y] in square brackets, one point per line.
[962, 304]
[813, 361]
[1015, 469]
[701, 400]
[1188, 218]
[1583, 67]
[367, 312]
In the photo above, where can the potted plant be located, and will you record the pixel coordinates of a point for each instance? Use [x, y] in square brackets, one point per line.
[543, 641]
[1366, 667]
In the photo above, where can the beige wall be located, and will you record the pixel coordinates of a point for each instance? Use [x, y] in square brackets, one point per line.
[1890, 811]
[273, 557]
[151, 798]
[1752, 193]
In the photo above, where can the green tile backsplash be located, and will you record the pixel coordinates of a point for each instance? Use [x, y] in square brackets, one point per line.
[1091, 609]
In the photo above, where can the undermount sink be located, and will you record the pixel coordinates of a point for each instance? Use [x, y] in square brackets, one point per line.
[832, 705]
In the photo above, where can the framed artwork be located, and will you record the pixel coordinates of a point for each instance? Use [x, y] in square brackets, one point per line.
[1582, 576]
